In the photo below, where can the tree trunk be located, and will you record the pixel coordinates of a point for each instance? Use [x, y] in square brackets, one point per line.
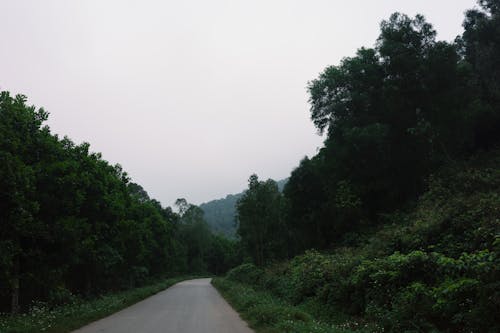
[261, 250]
[88, 283]
[15, 287]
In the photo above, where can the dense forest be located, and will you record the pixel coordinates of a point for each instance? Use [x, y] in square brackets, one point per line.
[394, 224]
[72, 224]
[403, 200]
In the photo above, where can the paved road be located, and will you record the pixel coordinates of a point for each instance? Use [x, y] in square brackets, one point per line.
[192, 306]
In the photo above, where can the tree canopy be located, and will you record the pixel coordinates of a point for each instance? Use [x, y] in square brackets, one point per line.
[391, 115]
[74, 224]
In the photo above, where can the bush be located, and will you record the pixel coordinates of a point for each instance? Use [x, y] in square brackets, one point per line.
[61, 296]
[273, 313]
[246, 273]
[438, 269]
[42, 317]
[417, 291]
[410, 310]
[267, 313]
[308, 274]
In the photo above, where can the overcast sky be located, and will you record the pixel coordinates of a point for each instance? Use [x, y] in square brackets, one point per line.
[191, 97]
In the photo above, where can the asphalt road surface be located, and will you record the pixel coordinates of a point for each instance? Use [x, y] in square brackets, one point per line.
[192, 306]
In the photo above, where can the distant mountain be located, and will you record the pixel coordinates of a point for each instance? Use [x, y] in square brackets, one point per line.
[220, 214]
[281, 184]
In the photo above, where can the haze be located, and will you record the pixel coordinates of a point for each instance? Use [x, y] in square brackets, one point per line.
[191, 97]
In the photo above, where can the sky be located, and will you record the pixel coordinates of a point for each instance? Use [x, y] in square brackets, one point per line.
[191, 97]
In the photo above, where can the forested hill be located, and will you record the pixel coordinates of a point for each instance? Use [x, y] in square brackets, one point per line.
[74, 225]
[220, 213]
[394, 223]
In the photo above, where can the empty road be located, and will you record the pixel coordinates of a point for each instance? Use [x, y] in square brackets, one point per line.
[192, 306]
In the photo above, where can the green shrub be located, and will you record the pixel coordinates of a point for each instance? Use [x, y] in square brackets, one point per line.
[42, 317]
[267, 313]
[433, 269]
[308, 274]
[410, 310]
[60, 295]
[246, 273]
[276, 279]
[273, 313]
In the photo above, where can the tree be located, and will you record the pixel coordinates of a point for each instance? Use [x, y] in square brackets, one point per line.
[223, 254]
[19, 135]
[195, 235]
[261, 223]
[392, 115]
[481, 48]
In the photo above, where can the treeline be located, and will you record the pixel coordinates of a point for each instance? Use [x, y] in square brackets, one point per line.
[392, 115]
[434, 268]
[396, 194]
[220, 214]
[72, 224]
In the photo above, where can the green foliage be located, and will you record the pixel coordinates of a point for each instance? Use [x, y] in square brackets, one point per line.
[221, 214]
[194, 233]
[261, 223]
[408, 177]
[308, 274]
[459, 213]
[402, 292]
[434, 268]
[393, 115]
[222, 254]
[76, 312]
[203, 250]
[267, 313]
[72, 224]
[245, 273]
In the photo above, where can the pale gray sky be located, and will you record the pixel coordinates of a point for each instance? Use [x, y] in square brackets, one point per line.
[191, 97]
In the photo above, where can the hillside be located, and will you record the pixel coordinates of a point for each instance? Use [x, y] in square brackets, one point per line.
[432, 268]
[220, 213]
[393, 226]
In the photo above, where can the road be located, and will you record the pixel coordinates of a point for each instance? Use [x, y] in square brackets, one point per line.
[192, 306]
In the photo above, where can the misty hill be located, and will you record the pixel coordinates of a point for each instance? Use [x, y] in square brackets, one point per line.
[220, 214]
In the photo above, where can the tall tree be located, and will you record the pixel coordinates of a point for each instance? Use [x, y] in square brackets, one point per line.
[261, 223]
[20, 132]
[481, 47]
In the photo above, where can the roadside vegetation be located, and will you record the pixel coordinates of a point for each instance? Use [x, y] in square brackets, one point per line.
[395, 223]
[71, 224]
[434, 269]
[393, 226]
[76, 311]
[267, 313]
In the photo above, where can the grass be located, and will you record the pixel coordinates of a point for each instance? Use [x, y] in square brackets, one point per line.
[266, 313]
[68, 317]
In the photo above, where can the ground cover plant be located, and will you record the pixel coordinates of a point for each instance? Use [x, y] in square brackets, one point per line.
[75, 312]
